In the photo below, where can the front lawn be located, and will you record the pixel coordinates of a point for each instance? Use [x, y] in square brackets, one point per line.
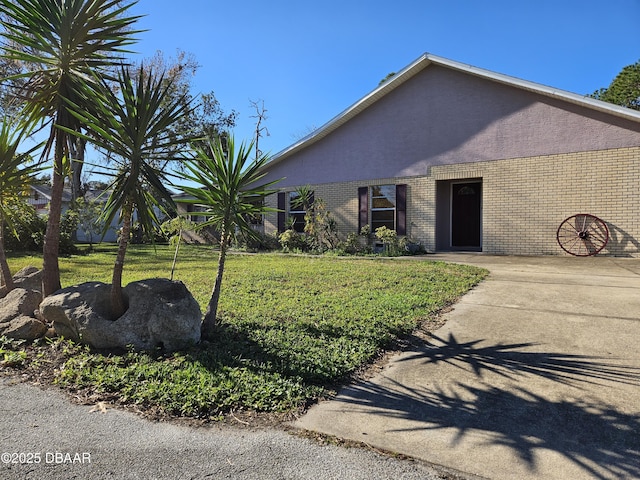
[292, 327]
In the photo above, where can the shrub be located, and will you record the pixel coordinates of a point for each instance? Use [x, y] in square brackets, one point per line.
[320, 226]
[173, 228]
[354, 245]
[262, 242]
[68, 228]
[409, 246]
[389, 239]
[292, 241]
[31, 227]
[29, 230]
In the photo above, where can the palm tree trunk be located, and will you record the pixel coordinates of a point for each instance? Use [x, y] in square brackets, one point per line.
[5, 272]
[209, 323]
[50, 267]
[118, 306]
[78, 147]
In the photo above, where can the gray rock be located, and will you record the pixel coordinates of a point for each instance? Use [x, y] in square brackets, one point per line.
[23, 327]
[19, 302]
[17, 315]
[161, 313]
[29, 278]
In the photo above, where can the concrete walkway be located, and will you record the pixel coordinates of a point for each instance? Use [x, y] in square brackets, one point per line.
[536, 375]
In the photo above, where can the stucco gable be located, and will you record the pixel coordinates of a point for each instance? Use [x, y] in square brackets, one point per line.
[438, 112]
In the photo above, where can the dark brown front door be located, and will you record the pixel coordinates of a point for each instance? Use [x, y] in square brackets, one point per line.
[466, 213]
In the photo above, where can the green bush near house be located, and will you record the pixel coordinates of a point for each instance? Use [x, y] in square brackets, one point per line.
[292, 327]
[30, 229]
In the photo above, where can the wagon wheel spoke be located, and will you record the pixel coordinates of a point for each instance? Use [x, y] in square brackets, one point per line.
[582, 235]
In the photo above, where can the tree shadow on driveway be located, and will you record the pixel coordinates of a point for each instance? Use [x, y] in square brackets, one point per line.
[597, 436]
[511, 361]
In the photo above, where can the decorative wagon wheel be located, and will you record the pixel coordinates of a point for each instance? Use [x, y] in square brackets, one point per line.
[582, 235]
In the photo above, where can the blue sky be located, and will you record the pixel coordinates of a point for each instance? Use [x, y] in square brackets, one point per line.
[308, 61]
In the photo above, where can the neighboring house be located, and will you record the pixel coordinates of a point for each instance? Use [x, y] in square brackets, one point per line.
[461, 158]
[188, 210]
[192, 213]
[40, 196]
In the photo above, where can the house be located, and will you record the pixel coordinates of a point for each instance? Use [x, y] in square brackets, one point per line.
[40, 197]
[462, 158]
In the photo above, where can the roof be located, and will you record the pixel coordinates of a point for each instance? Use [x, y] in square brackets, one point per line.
[428, 59]
[45, 191]
[91, 195]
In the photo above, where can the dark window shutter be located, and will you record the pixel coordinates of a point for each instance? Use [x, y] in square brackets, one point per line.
[401, 209]
[363, 207]
[282, 215]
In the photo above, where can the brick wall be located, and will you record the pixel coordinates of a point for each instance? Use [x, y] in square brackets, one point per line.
[524, 200]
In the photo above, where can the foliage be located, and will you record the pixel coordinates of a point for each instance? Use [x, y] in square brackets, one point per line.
[229, 189]
[320, 226]
[15, 177]
[205, 118]
[292, 241]
[88, 214]
[12, 353]
[68, 228]
[303, 199]
[408, 246]
[624, 89]
[29, 229]
[354, 245]
[262, 242]
[63, 46]
[174, 227]
[285, 337]
[9, 103]
[389, 239]
[133, 123]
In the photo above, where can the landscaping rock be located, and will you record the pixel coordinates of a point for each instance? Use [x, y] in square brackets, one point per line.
[24, 328]
[17, 315]
[161, 313]
[29, 278]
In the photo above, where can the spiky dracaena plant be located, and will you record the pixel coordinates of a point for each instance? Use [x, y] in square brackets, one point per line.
[228, 190]
[62, 44]
[133, 124]
[16, 174]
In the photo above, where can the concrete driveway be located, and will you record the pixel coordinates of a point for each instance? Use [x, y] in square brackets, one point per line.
[536, 375]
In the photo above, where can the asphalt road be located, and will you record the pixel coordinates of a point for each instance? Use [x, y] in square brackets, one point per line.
[46, 436]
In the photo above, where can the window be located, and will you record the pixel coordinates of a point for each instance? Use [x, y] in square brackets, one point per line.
[256, 219]
[383, 207]
[191, 208]
[297, 211]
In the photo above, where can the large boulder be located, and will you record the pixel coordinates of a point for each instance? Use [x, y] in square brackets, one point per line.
[17, 315]
[161, 313]
[29, 278]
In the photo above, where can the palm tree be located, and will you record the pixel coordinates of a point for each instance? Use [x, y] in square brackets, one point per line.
[62, 43]
[15, 177]
[133, 124]
[228, 189]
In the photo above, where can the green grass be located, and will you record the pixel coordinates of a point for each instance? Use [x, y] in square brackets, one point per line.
[291, 326]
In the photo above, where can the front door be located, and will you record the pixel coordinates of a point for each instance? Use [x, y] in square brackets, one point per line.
[466, 214]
